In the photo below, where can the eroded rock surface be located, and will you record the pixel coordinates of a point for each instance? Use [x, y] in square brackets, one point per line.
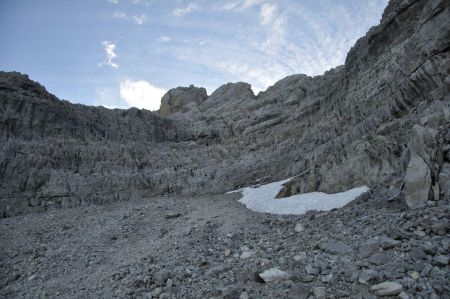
[351, 126]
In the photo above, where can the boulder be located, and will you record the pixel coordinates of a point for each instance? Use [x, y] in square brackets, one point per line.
[417, 182]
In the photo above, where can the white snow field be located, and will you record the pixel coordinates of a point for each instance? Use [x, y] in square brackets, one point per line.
[261, 198]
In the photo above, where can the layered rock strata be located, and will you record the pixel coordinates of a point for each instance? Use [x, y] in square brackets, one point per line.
[352, 126]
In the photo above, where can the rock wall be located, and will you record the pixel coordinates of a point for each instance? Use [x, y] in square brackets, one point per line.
[351, 126]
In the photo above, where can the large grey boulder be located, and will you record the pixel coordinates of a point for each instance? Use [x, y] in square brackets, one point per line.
[417, 182]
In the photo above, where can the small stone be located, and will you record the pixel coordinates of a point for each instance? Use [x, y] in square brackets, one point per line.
[243, 295]
[378, 259]
[299, 291]
[327, 278]
[320, 292]
[299, 228]
[388, 243]
[306, 278]
[395, 233]
[216, 270]
[311, 270]
[32, 277]
[419, 233]
[336, 248]
[441, 260]
[387, 288]
[157, 291]
[228, 292]
[162, 276]
[172, 215]
[428, 248]
[417, 254]
[367, 276]
[440, 228]
[415, 275]
[227, 252]
[301, 256]
[273, 274]
[247, 254]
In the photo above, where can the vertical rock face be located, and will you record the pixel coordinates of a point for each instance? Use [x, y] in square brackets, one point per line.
[383, 114]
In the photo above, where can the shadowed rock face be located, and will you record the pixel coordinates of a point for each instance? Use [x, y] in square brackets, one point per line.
[348, 127]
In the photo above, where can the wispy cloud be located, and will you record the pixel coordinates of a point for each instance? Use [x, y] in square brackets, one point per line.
[239, 5]
[109, 48]
[267, 13]
[141, 94]
[281, 40]
[136, 19]
[113, 1]
[181, 11]
[164, 39]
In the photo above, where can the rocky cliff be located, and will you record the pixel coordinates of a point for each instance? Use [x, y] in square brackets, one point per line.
[383, 116]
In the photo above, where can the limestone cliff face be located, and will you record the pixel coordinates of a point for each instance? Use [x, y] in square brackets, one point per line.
[349, 127]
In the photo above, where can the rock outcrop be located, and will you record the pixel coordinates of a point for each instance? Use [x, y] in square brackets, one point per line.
[352, 126]
[182, 99]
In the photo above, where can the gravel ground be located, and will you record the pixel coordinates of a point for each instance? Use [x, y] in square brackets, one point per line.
[213, 247]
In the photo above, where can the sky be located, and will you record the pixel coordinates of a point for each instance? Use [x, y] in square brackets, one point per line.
[128, 53]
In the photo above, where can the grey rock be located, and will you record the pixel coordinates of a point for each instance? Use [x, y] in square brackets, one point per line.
[336, 248]
[388, 243]
[299, 291]
[367, 276]
[320, 292]
[379, 259]
[417, 182]
[299, 228]
[273, 274]
[217, 270]
[387, 288]
[441, 260]
[228, 292]
[417, 254]
[162, 277]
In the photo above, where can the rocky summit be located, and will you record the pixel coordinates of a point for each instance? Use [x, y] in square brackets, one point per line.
[103, 203]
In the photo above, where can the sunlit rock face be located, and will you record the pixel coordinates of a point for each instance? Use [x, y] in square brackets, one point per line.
[350, 127]
[182, 99]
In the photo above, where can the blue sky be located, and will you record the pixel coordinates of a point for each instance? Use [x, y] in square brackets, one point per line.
[123, 53]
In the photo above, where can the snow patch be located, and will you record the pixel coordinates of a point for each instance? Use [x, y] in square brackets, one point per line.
[261, 198]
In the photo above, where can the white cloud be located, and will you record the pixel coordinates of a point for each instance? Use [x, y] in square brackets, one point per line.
[181, 11]
[267, 13]
[109, 48]
[164, 39]
[239, 5]
[141, 94]
[141, 19]
[119, 15]
[113, 1]
[137, 19]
